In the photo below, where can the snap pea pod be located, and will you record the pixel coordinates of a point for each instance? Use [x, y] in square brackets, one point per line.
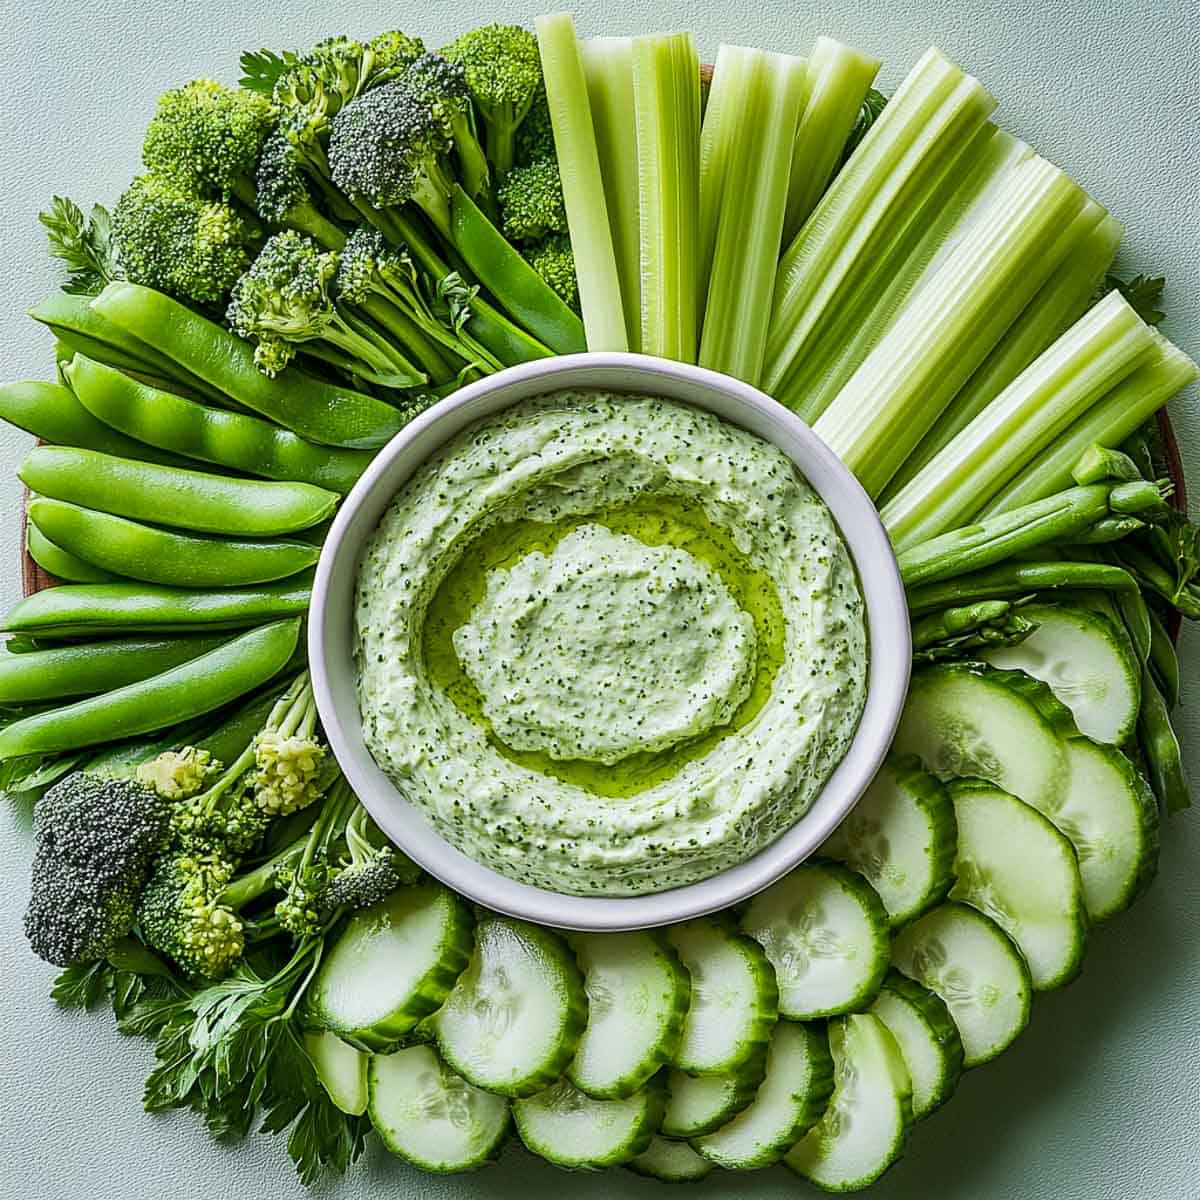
[320, 411]
[87, 609]
[1018, 579]
[136, 551]
[50, 412]
[1164, 662]
[173, 495]
[228, 439]
[93, 667]
[177, 694]
[1160, 747]
[58, 562]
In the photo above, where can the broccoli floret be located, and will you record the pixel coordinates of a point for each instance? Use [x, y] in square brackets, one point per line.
[288, 767]
[209, 135]
[553, 260]
[301, 912]
[372, 872]
[95, 839]
[284, 197]
[176, 241]
[531, 201]
[178, 774]
[390, 54]
[504, 73]
[535, 137]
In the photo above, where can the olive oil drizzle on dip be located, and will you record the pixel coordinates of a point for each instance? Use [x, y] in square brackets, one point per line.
[722, 601]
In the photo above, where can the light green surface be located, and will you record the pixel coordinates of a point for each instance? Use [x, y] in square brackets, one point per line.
[1098, 1099]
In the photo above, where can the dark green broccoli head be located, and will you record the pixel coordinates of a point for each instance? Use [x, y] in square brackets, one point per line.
[207, 134]
[358, 269]
[535, 137]
[531, 201]
[280, 184]
[368, 881]
[439, 81]
[95, 840]
[174, 240]
[231, 826]
[553, 260]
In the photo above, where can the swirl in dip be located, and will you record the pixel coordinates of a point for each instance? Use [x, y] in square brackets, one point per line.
[609, 644]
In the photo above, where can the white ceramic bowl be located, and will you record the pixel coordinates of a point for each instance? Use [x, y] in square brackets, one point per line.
[330, 636]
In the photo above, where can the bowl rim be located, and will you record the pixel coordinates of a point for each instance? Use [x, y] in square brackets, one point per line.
[330, 636]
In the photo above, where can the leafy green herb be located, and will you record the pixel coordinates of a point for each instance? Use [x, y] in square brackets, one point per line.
[1144, 293]
[83, 243]
[261, 68]
[133, 978]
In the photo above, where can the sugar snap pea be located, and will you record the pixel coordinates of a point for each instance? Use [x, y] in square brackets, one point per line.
[59, 562]
[51, 412]
[87, 609]
[136, 551]
[93, 667]
[228, 439]
[173, 495]
[177, 694]
[320, 411]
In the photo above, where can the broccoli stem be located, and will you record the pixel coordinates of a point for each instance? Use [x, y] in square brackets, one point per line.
[397, 322]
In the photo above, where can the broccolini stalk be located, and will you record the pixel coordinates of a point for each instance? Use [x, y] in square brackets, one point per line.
[600, 296]
[839, 78]
[1019, 578]
[1160, 748]
[1164, 662]
[1100, 350]
[666, 105]
[927, 123]
[745, 162]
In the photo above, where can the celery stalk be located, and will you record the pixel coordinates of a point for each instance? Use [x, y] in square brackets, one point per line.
[666, 103]
[966, 191]
[1059, 303]
[839, 78]
[1097, 352]
[924, 127]
[582, 183]
[958, 314]
[745, 161]
[1111, 420]
[608, 68]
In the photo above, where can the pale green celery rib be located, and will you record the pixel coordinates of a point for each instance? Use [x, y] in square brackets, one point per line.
[666, 102]
[1103, 347]
[962, 310]
[924, 127]
[608, 68]
[1094, 237]
[1109, 422]
[583, 187]
[745, 160]
[965, 192]
[839, 78]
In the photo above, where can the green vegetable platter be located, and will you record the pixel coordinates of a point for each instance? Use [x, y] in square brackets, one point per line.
[311, 258]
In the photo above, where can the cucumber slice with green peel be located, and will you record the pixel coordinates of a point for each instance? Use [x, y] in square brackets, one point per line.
[341, 1069]
[869, 1117]
[637, 994]
[671, 1162]
[1086, 662]
[429, 1116]
[513, 1021]
[1110, 816]
[699, 1104]
[1014, 866]
[392, 964]
[900, 837]
[967, 959]
[970, 720]
[792, 1097]
[927, 1036]
[734, 1000]
[570, 1129]
[825, 932]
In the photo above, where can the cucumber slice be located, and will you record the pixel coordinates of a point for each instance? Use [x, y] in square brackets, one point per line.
[967, 960]
[1087, 664]
[341, 1069]
[431, 1117]
[976, 721]
[671, 1162]
[392, 964]
[793, 1095]
[870, 1114]
[637, 997]
[927, 1036]
[570, 1129]
[512, 1022]
[900, 838]
[1109, 813]
[699, 1104]
[1015, 867]
[734, 998]
[825, 932]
